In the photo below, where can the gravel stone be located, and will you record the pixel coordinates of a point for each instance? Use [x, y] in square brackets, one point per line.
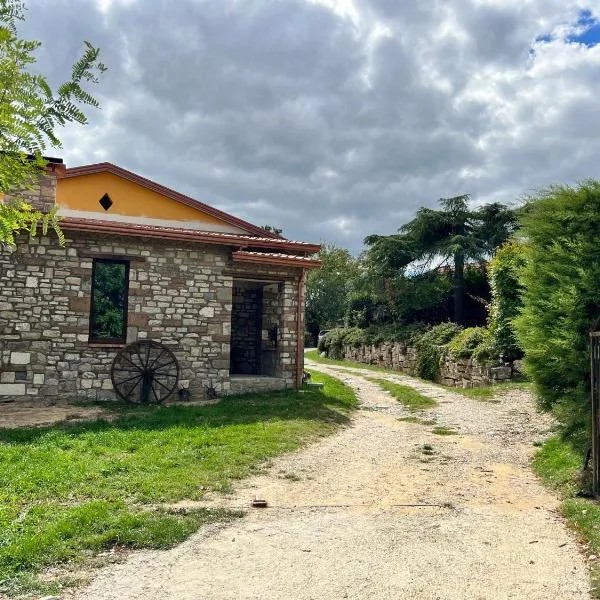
[365, 514]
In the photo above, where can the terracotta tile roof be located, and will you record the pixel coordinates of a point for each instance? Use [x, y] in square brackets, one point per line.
[276, 258]
[190, 235]
[277, 255]
[106, 167]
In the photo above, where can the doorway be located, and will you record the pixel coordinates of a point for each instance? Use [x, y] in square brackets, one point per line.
[255, 316]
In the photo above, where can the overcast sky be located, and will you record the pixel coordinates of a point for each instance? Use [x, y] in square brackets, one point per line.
[334, 119]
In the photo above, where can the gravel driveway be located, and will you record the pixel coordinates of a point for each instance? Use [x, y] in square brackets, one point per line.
[372, 513]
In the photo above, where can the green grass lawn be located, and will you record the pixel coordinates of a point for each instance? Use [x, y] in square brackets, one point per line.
[412, 399]
[559, 465]
[74, 489]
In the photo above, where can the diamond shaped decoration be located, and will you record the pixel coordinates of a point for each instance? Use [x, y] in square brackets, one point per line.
[106, 202]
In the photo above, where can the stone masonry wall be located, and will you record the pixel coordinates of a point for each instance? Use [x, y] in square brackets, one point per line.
[397, 356]
[179, 294]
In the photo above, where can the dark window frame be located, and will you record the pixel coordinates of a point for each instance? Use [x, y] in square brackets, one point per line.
[106, 340]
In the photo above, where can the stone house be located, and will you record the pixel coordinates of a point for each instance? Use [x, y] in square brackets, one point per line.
[144, 262]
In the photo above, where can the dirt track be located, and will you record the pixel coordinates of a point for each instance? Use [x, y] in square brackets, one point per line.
[367, 514]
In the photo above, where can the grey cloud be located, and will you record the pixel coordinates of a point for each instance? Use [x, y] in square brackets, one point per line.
[284, 112]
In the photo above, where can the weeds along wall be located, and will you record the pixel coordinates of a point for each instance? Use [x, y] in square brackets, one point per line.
[445, 353]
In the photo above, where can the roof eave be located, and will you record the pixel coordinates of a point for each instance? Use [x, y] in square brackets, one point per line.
[230, 240]
[291, 261]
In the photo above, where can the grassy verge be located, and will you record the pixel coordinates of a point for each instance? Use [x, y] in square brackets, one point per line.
[406, 395]
[489, 393]
[417, 420]
[316, 357]
[443, 430]
[559, 465]
[74, 489]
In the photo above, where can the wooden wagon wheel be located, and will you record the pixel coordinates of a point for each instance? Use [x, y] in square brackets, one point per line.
[145, 372]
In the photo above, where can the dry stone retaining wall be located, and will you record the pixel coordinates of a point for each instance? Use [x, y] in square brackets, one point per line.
[398, 356]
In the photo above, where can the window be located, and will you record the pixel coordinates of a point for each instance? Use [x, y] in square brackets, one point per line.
[108, 314]
[106, 202]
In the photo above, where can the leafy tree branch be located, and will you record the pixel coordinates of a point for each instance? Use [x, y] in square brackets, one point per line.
[30, 115]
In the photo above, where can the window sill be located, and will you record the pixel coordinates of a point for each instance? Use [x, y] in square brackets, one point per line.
[106, 345]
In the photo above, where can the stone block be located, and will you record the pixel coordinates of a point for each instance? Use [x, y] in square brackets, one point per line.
[132, 335]
[518, 367]
[207, 311]
[224, 294]
[138, 320]
[67, 386]
[79, 304]
[12, 389]
[7, 377]
[20, 358]
[38, 378]
[500, 373]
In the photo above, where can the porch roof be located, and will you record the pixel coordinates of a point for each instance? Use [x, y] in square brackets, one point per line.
[276, 258]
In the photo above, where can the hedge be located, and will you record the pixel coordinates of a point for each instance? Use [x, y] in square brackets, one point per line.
[561, 299]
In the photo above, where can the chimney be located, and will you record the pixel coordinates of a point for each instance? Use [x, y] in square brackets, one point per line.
[42, 196]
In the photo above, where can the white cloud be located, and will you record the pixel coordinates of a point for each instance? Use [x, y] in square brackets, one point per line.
[334, 118]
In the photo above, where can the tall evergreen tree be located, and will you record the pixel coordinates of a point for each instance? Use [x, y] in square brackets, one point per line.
[452, 235]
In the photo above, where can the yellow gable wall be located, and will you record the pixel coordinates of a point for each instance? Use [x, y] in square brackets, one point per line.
[83, 193]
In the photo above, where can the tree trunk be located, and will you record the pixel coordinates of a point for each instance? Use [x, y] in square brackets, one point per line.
[459, 288]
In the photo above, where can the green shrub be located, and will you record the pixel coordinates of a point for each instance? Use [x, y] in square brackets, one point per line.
[395, 333]
[335, 340]
[504, 273]
[354, 337]
[430, 357]
[440, 334]
[466, 342]
[486, 351]
[430, 348]
[332, 344]
[561, 291]
[324, 344]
